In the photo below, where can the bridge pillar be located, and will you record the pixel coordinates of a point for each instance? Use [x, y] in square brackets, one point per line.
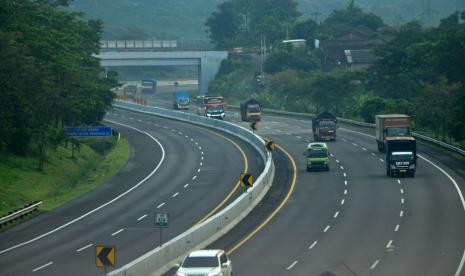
[209, 66]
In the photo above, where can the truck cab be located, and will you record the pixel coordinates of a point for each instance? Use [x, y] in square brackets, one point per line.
[317, 157]
[401, 156]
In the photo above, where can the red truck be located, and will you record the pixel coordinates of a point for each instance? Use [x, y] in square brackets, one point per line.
[324, 127]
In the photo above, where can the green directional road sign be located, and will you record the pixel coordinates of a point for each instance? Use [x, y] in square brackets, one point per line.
[246, 180]
[104, 256]
[270, 145]
[161, 220]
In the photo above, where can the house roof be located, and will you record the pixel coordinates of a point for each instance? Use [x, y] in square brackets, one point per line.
[360, 56]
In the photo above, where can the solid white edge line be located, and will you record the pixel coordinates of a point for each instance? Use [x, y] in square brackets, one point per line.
[85, 247]
[117, 232]
[105, 204]
[313, 245]
[373, 266]
[142, 217]
[292, 265]
[40, 267]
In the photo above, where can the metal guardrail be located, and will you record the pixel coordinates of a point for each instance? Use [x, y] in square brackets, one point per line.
[362, 124]
[161, 259]
[20, 213]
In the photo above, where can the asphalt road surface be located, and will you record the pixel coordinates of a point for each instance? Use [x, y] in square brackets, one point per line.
[174, 168]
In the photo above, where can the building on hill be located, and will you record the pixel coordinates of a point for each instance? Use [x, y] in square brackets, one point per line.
[359, 60]
[360, 38]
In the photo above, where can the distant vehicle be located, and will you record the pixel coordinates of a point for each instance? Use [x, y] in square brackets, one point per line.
[211, 106]
[148, 86]
[181, 100]
[391, 125]
[250, 111]
[212, 262]
[324, 127]
[401, 156]
[130, 90]
[317, 156]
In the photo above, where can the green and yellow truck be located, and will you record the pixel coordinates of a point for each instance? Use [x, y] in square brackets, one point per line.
[317, 157]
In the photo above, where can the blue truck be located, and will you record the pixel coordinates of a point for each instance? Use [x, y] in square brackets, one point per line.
[181, 100]
[148, 86]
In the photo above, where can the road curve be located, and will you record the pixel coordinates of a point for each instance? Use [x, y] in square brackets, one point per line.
[193, 170]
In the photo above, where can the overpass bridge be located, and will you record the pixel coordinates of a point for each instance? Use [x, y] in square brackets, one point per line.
[208, 62]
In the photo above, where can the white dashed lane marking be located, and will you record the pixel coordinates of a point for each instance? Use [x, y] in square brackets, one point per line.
[161, 205]
[373, 266]
[327, 228]
[117, 232]
[397, 228]
[41, 267]
[292, 265]
[313, 245]
[187, 185]
[336, 214]
[85, 247]
[142, 217]
[175, 195]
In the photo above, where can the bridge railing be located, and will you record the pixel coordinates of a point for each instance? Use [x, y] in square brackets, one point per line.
[161, 259]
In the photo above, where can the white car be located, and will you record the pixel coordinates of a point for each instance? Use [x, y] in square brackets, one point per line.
[211, 262]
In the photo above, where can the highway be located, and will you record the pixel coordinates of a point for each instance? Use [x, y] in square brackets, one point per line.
[175, 168]
[352, 220]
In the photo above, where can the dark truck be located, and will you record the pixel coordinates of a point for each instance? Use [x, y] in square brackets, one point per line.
[324, 127]
[401, 156]
[250, 111]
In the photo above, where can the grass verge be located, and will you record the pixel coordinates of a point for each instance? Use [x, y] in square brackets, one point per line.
[63, 178]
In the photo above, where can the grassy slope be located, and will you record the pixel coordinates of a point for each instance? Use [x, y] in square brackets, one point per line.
[63, 178]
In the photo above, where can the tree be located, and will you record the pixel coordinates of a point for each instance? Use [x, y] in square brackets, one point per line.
[352, 16]
[243, 22]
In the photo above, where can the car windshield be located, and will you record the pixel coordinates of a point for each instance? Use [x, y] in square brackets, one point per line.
[147, 83]
[316, 153]
[402, 156]
[254, 109]
[201, 262]
[397, 131]
[327, 124]
[215, 108]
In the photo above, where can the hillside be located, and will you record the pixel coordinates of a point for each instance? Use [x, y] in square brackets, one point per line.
[184, 19]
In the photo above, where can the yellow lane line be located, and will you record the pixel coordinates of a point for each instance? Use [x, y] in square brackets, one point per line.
[231, 193]
[275, 212]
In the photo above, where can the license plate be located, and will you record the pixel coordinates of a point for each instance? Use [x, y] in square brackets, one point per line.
[403, 171]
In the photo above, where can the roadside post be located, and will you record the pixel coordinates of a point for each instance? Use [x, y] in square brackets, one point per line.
[161, 221]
